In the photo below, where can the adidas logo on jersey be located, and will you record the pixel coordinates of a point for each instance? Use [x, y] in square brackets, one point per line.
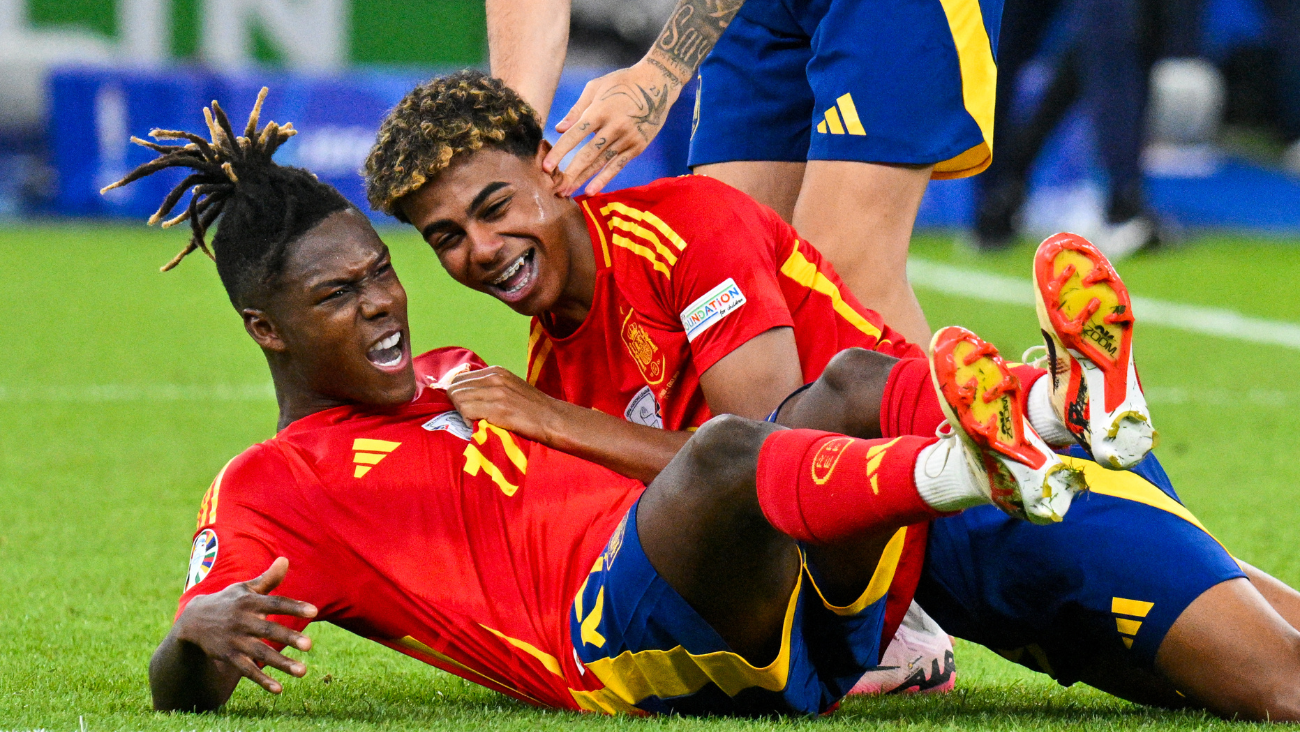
[1128, 627]
[369, 453]
[844, 108]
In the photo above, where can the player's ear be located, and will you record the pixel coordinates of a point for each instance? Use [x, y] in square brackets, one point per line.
[262, 329]
[557, 175]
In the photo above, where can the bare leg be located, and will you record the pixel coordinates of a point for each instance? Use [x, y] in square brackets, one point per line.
[1233, 653]
[773, 184]
[860, 216]
[1283, 598]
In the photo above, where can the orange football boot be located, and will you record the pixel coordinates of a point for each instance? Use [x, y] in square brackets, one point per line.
[1087, 321]
[982, 400]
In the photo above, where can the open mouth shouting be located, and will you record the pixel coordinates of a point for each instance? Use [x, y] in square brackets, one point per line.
[516, 280]
[390, 352]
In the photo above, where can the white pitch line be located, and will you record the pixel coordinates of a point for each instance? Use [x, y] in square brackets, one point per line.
[105, 393]
[1217, 322]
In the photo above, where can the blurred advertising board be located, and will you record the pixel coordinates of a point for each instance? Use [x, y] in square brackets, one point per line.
[94, 111]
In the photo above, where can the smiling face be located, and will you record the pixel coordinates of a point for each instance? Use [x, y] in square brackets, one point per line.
[335, 328]
[498, 226]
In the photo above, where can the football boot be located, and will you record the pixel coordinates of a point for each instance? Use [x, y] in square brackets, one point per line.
[1087, 322]
[1005, 458]
[918, 660]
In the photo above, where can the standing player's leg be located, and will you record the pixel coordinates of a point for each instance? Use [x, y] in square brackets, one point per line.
[860, 216]
[901, 96]
[774, 184]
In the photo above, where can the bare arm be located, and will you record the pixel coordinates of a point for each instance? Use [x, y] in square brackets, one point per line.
[623, 111]
[527, 40]
[750, 381]
[218, 640]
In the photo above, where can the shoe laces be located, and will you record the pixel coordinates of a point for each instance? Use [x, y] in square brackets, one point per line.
[1035, 356]
[944, 432]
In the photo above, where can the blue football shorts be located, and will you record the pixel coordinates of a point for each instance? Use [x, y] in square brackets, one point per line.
[886, 81]
[654, 653]
[1111, 578]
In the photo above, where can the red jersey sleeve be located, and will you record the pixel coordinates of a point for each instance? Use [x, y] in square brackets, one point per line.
[724, 286]
[237, 540]
[704, 256]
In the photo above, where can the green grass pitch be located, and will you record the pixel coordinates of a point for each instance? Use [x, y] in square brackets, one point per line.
[123, 391]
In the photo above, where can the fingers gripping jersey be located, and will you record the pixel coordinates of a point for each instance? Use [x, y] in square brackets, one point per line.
[460, 545]
[688, 270]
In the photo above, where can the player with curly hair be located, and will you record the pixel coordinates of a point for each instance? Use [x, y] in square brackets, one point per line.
[660, 306]
[503, 561]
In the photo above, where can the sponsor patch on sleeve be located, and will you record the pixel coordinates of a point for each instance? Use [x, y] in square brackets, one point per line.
[712, 307]
[202, 557]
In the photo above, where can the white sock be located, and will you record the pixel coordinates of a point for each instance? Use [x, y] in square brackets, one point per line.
[943, 479]
[1042, 416]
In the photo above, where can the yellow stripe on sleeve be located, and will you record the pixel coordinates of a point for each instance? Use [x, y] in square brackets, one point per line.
[798, 268]
[644, 233]
[628, 244]
[649, 218]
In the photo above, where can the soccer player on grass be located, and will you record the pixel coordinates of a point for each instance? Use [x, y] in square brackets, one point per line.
[620, 281]
[730, 585]
[694, 294]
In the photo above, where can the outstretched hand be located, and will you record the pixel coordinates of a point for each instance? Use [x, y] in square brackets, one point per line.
[621, 112]
[230, 626]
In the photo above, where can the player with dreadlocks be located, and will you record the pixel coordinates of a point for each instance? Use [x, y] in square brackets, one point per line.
[663, 305]
[492, 556]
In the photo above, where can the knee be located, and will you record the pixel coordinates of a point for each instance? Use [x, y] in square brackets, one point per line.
[725, 449]
[851, 368]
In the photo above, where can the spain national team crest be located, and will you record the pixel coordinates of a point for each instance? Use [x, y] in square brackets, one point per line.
[827, 457]
[202, 557]
[649, 359]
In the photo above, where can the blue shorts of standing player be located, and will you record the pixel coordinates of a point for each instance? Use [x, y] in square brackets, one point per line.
[1106, 583]
[881, 81]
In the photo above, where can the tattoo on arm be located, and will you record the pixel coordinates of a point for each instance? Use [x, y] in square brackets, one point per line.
[692, 31]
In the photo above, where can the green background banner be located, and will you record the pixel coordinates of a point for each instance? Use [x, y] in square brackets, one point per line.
[425, 32]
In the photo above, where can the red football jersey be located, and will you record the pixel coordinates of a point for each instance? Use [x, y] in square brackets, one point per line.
[460, 545]
[687, 270]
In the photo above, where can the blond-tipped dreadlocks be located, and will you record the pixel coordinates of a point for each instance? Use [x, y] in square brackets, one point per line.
[214, 162]
[439, 120]
[262, 206]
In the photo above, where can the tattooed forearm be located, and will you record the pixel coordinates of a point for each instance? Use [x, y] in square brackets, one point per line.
[692, 31]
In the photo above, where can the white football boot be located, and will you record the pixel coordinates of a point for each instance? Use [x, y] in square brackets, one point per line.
[918, 660]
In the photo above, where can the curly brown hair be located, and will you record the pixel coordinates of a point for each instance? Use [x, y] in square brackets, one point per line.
[438, 120]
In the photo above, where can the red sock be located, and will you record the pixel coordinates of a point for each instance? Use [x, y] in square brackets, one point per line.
[820, 487]
[910, 405]
[1027, 375]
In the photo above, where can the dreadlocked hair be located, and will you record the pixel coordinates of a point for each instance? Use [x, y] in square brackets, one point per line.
[439, 120]
[262, 206]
